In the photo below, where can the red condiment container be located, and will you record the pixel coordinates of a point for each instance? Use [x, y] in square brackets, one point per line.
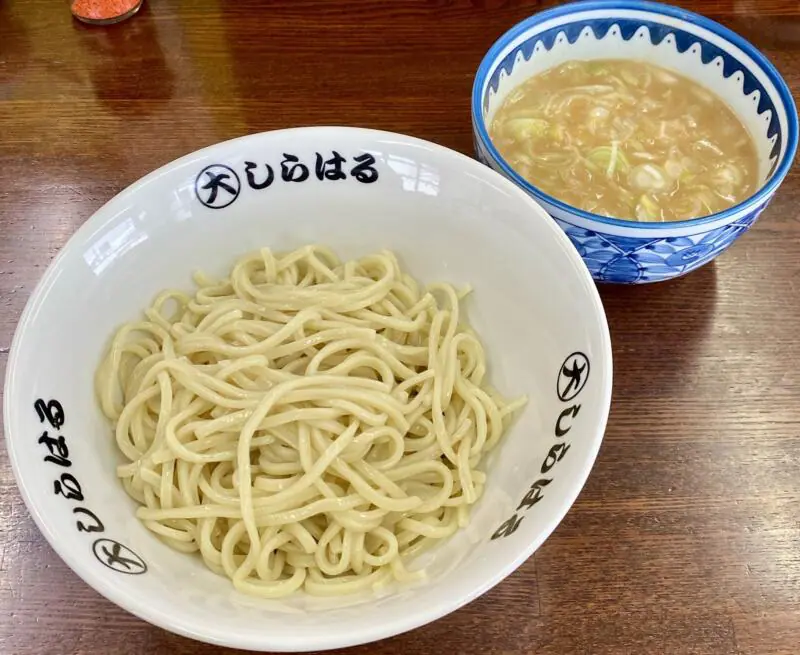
[104, 12]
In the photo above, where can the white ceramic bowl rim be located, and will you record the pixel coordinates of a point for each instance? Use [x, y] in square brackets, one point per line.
[775, 77]
[394, 624]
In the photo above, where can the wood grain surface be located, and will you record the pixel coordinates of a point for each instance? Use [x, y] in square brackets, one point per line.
[686, 538]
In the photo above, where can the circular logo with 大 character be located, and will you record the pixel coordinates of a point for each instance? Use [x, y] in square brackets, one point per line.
[217, 186]
[572, 376]
[118, 557]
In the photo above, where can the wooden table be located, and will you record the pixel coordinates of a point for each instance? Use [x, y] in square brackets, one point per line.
[686, 538]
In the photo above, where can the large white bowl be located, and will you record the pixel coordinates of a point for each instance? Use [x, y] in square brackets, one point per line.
[447, 217]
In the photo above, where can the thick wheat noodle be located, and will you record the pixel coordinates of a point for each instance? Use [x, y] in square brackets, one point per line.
[303, 424]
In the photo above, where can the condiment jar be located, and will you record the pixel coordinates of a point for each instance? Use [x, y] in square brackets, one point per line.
[104, 12]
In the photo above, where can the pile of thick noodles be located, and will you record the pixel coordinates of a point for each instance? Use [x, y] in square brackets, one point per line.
[303, 423]
[627, 139]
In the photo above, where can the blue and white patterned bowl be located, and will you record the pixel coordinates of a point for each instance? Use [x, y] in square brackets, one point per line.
[627, 251]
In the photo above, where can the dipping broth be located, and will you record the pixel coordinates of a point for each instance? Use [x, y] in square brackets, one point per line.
[627, 139]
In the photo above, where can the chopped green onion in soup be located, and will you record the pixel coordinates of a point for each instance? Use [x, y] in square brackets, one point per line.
[627, 139]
